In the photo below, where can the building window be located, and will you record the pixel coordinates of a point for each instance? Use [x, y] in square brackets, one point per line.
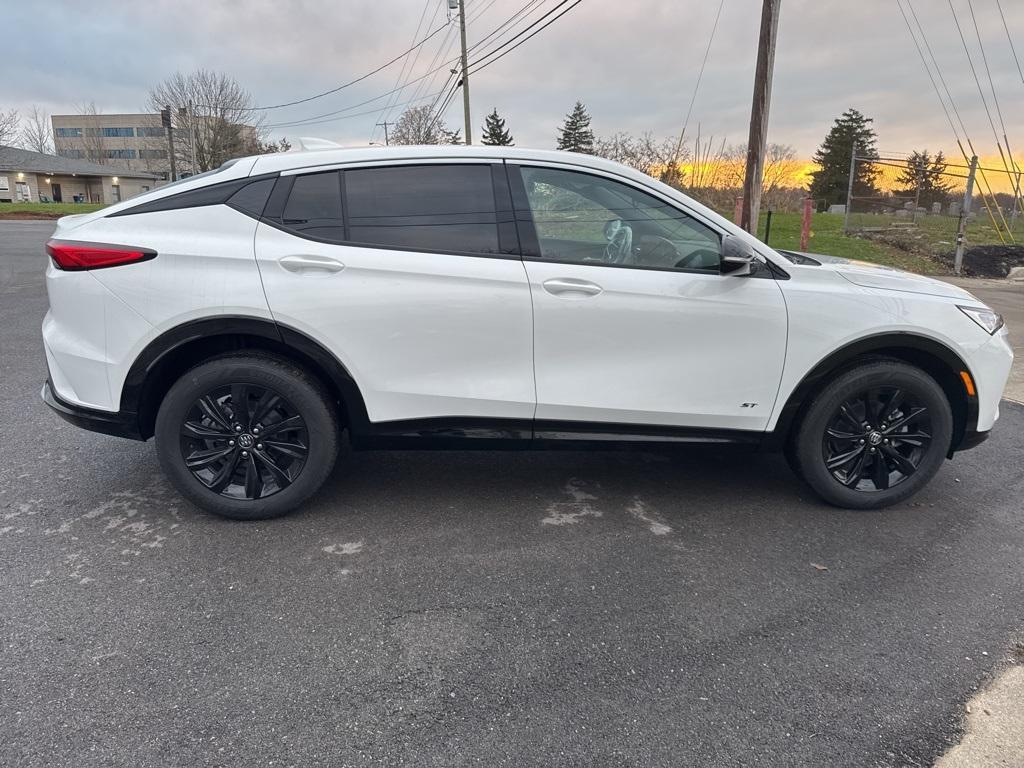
[69, 133]
[149, 131]
[76, 154]
[153, 154]
[118, 132]
[121, 154]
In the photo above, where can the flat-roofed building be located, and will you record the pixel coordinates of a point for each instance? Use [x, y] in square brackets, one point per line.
[135, 141]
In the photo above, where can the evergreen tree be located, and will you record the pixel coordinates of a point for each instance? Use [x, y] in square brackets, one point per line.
[575, 134]
[495, 134]
[924, 178]
[829, 184]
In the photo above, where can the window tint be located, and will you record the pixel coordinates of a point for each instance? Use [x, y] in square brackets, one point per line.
[590, 219]
[433, 207]
[314, 206]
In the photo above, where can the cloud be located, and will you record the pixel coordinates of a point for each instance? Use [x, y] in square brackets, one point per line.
[634, 64]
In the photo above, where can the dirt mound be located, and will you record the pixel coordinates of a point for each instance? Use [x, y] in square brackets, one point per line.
[988, 260]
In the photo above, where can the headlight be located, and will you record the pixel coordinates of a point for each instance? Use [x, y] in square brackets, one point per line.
[985, 317]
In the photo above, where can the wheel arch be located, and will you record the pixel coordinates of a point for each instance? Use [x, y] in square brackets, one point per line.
[935, 358]
[176, 350]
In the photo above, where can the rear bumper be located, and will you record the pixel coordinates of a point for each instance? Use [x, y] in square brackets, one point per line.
[118, 424]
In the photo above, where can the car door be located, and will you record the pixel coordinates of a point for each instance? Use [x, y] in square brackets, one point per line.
[403, 272]
[634, 322]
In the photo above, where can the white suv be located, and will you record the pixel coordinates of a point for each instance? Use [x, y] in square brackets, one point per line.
[496, 298]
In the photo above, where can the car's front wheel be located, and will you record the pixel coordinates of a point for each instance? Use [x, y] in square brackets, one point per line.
[874, 436]
[247, 436]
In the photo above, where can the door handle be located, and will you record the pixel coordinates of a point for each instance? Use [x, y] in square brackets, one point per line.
[302, 265]
[566, 286]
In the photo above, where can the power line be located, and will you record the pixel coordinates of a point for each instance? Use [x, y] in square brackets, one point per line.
[928, 69]
[700, 76]
[952, 105]
[304, 120]
[510, 20]
[346, 117]
[386, 112]
[1009, 38]
[319, 119]
[999, 110]
[350, 82]
[988, 112]
[473, 65]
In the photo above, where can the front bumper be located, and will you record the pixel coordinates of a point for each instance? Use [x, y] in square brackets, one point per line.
[118, 424]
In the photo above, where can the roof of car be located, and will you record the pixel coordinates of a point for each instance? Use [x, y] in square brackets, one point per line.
[284, 161]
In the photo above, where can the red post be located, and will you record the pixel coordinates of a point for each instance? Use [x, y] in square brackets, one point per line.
[805, 227]
[737, 215]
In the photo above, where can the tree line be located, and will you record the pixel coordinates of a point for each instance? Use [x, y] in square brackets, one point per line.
[215, 120]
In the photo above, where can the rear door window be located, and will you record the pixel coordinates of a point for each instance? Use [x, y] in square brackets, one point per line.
[449, 208]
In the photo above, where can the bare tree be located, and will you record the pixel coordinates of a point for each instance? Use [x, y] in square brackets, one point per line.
[90, 143]
[781, 173]
[37, 135]
[655, 157]
[419, 125]
[9, 122]
[211, 111]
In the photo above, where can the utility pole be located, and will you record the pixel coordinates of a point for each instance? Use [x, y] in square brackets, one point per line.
[759, 115]
[387, 141]
[165, 119]
[849, 188]
[465, 73]
[958, 258]
[192, 135]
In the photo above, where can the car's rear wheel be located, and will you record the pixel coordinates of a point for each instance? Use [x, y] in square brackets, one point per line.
[247, 436]
[874, 436]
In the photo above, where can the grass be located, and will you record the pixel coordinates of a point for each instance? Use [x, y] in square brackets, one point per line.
[827, 237]
[54, 209]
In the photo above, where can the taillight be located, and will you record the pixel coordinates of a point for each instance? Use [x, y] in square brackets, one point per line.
[73, 256]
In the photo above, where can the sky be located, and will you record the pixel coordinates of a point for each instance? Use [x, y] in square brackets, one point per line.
[634, 63]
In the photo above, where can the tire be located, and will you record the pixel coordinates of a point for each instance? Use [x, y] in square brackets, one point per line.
[874, 436]
[253, 461]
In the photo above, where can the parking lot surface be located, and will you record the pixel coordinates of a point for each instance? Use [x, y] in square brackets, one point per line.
[485, 608]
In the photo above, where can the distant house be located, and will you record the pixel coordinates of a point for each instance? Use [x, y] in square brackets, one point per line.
[33, 177]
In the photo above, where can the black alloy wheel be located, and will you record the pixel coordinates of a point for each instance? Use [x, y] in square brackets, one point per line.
[873, 436]
[244, 441]
[247, 435]
[877, 439]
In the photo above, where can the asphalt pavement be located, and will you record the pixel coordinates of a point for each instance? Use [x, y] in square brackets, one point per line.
[487, 608]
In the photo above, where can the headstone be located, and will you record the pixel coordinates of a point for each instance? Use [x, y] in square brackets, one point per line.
[936, 208]
[954, 209]
[837, 209]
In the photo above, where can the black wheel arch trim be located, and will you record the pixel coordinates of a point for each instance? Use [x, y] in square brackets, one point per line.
[965, 419]
[144, 380]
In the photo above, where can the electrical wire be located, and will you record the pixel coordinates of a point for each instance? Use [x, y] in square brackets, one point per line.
[386, 112]
[1009, 39]
[476, 66]
[696, 87]
[350, 82]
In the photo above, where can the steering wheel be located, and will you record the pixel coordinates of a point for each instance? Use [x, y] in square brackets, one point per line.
[660, 251]
[700, 253]
[620, 242]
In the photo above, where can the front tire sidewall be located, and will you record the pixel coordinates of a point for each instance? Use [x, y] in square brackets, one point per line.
[808, 448]
[292, 384]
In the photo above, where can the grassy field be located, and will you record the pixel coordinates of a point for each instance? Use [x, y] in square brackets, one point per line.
[47, 210]
[827, 237]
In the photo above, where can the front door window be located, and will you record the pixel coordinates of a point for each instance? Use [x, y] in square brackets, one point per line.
[582, 218]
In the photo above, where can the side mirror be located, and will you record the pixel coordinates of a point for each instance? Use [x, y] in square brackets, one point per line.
[738, 257]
